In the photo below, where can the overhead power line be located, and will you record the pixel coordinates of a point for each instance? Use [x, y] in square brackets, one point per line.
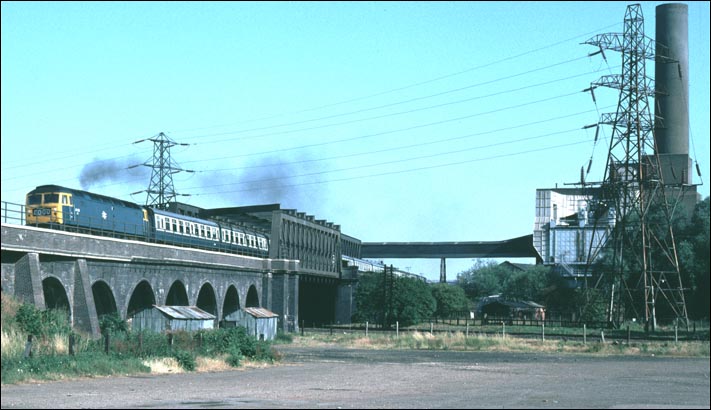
[585, 141]
[73, 153]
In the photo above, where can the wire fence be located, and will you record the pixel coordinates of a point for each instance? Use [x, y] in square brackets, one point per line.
[696, 331]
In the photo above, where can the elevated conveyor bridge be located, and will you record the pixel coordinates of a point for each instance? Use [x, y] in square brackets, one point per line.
[521, 247]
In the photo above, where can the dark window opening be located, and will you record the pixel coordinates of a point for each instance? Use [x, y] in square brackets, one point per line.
[34, 199]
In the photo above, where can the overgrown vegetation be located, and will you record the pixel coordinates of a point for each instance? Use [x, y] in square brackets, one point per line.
[544, 286]
[387, 299]
[478, 341]
[50, 358]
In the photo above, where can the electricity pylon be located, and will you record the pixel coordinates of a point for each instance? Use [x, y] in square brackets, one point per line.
[161, 191]
[642, 240]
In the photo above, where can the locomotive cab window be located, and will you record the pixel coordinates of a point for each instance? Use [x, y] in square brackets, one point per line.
[51, 198]
[34, 199]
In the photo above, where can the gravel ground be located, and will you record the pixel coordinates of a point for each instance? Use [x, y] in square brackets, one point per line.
[352, 378]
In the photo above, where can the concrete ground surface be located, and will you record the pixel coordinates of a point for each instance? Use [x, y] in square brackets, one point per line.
[333, 377]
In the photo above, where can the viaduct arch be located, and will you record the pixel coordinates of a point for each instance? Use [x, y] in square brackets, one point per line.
[91, 276]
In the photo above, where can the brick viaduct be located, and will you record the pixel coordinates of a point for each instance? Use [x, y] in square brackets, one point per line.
[90, 276]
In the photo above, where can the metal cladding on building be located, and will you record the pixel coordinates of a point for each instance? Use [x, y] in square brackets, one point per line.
[568, 233]
[173, 318]
[259, 322]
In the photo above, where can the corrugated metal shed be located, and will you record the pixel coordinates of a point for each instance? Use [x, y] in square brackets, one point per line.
[259, 312]
[171, 318]
[259, 322]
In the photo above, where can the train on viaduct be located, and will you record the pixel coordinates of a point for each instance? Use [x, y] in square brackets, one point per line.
[308, 276]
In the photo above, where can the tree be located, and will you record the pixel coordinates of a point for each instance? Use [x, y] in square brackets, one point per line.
[527, 285]
[485, 278]
[490, 278]
[369, 298]
[693, 251]
[450, 299]
[411, 302]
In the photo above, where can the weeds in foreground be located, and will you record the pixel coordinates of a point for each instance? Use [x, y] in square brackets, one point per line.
[479, 342]
[36, 346]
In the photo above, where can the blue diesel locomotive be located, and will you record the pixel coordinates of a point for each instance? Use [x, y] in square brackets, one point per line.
[53, 206]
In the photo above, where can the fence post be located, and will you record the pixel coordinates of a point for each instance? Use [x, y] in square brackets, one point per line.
[28, 347]
[71, 344]
[107, 342]
[628, 335]
[397, 329]
[170, 340]
[503, 330]
[302, 328]
[676, 333]
[543, 331]
[431, 329]
[467, 333]
[366, 329]
[584, 335]
[602, 336]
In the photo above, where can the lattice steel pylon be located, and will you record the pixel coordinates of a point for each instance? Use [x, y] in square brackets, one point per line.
[161, 191]
[642, 243]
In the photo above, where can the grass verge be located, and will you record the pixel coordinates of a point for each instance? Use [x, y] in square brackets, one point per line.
[459, 341]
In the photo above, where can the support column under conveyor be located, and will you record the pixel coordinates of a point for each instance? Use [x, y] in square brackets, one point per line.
[443, 270]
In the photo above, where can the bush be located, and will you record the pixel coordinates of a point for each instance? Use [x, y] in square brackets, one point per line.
[29, 319]
[185, 359]
[41, 323]
[112, 323]
[246, 343]
[234, 358]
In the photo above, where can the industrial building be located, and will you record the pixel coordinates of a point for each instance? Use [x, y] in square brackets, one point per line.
[567, 233]
[322, 289]
[572, 225]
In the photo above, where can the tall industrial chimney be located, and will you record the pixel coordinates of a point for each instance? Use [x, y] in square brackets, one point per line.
[672, 101]
[672, 92]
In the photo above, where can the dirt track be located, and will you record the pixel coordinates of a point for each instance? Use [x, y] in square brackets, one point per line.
[348, 378]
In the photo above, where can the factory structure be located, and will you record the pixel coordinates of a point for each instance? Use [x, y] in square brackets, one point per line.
[575, 224]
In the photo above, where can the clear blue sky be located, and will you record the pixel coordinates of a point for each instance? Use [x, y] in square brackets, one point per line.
[399, 121]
